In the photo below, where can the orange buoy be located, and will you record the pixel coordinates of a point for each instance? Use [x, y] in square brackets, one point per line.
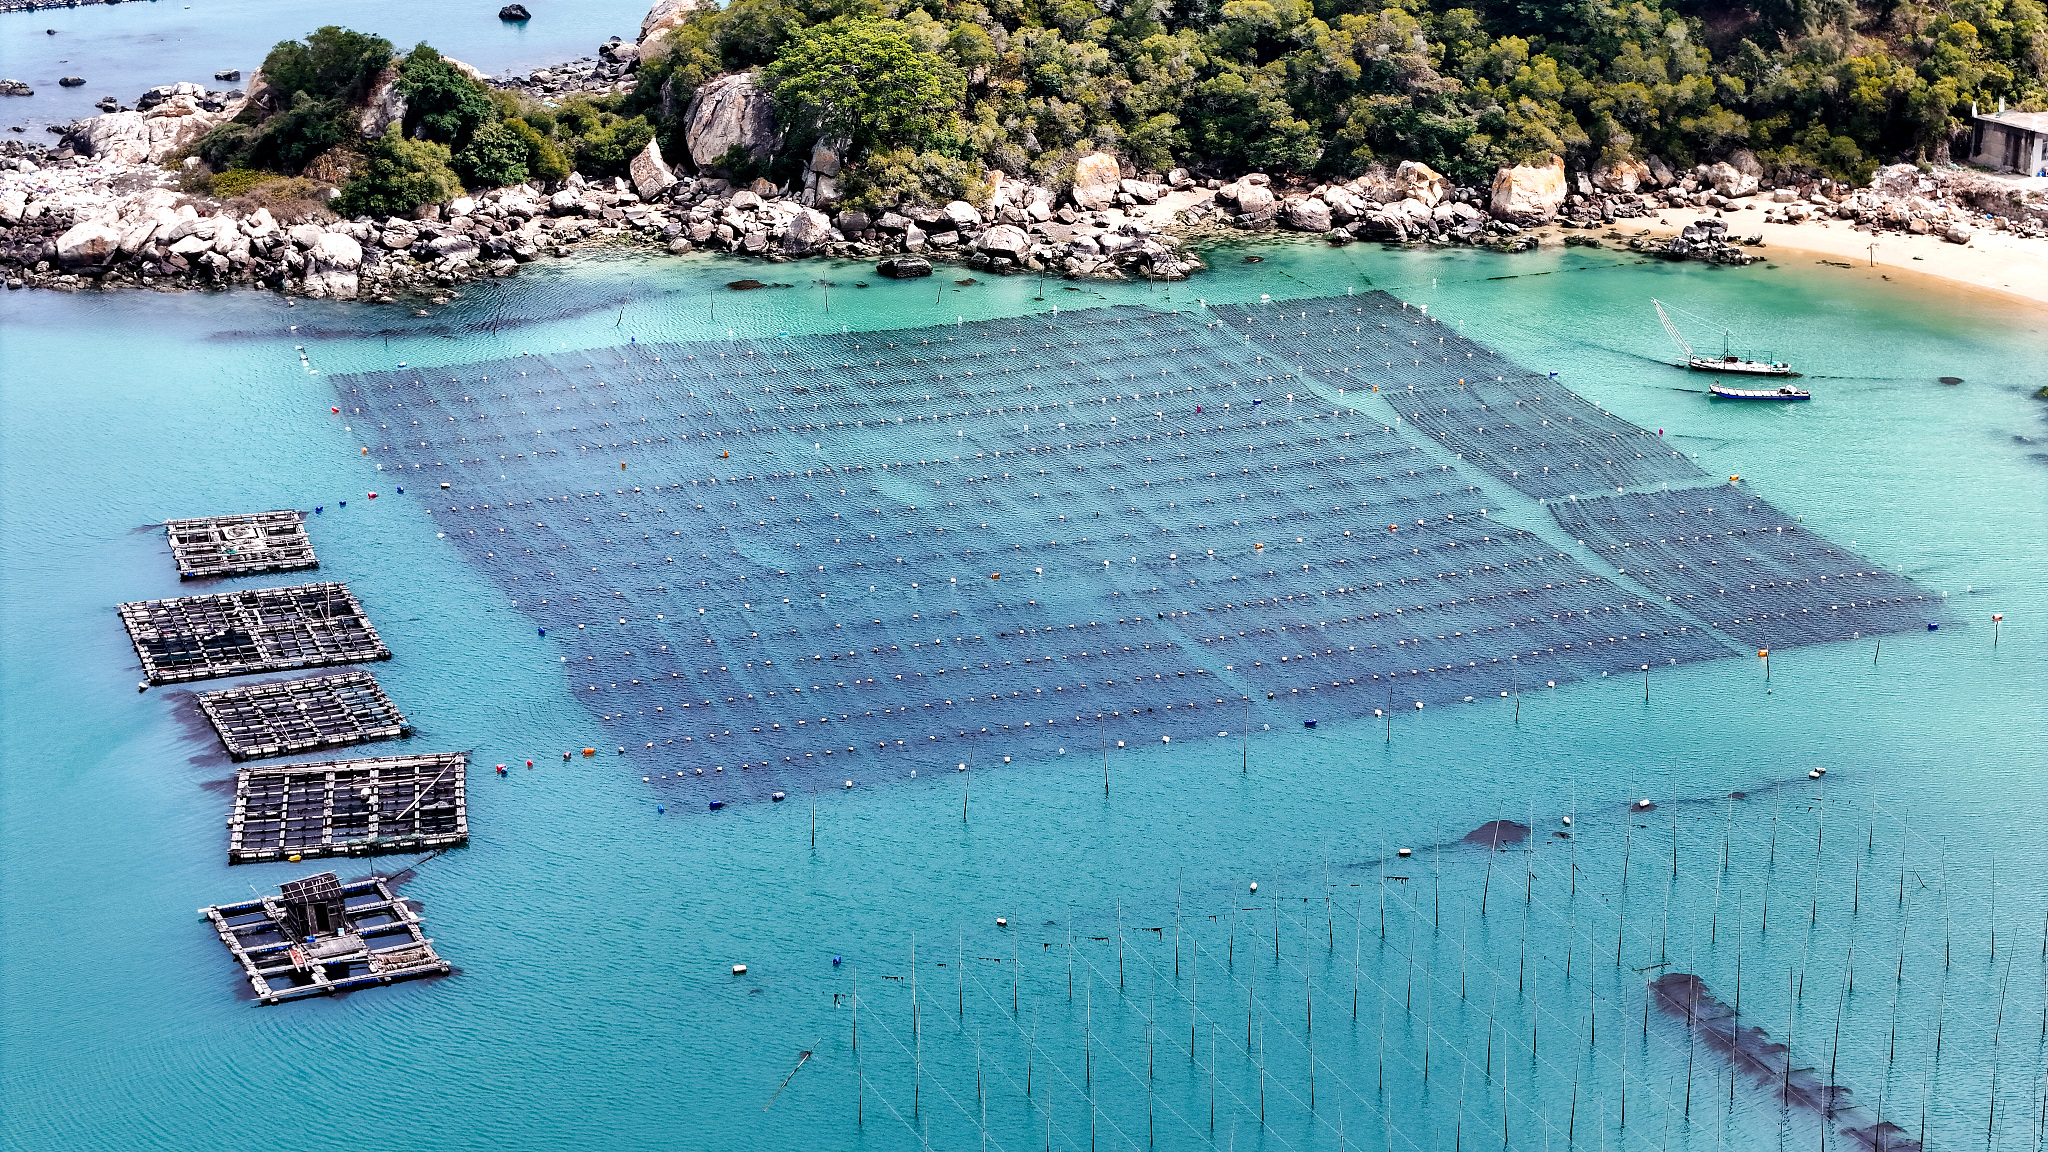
[1258, 547]
[995, 575]
[590, 751]
[1763, 652]
[366, 451]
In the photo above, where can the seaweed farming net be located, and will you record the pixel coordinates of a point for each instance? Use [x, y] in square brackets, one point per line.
[1523, 428]
[818, 555]
[1746, 567]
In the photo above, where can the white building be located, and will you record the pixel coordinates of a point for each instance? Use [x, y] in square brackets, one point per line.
[2010, 141]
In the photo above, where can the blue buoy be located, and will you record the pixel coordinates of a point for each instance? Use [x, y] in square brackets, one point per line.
[835, 961]
[317, 509]
[543, 631]
[401, 491]
[1934, 627]
[1308, 723]
[658, 809]
[341, 503]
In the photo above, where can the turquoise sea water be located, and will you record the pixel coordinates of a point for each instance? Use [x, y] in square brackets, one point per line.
[595, 1007]
[122, 49]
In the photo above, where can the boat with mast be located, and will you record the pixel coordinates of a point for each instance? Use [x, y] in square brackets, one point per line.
[1727, 362]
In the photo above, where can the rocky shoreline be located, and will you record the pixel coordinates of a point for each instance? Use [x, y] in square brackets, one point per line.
[107, 208]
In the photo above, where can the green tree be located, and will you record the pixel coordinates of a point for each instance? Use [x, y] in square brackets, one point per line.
[290, 139]
[330, 62]
[441, 103]
[864, 81]
[497, 155]
[544, 159]
[399, 175]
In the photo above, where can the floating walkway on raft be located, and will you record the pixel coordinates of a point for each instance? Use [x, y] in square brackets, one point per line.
[349, 808]
[240, 545]
[258, 630]
[320, 936]
[292, 716]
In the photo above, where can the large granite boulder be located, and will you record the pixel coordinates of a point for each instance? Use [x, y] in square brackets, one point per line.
[1254, 200]
[805, 231]
[1006, 240]
[135, 138]
[1309, 215]
[1414, 180]
[1731, 181]
[904, 267]
[90, 242]
[651, 175]
[385, 106]
[665, 17]
[729, 110]
[1096, 179]
[1622, 176]
[331, 266]
[1529, 193]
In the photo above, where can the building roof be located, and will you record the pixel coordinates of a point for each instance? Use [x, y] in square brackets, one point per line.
[2026, 121]
[319, 886]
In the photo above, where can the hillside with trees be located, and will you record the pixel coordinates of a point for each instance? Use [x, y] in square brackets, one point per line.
[922, 100]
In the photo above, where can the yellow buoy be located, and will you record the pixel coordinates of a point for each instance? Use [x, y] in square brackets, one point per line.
[294, 858]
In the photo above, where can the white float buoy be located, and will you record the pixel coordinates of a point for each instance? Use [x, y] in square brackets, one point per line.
[739, 969]
[1405, 852]
[1255, 885]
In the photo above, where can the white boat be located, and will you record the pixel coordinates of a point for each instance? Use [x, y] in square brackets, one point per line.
[1722, 391]
[1727, 363]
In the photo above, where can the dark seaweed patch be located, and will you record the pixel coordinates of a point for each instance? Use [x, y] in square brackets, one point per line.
[1495, 833]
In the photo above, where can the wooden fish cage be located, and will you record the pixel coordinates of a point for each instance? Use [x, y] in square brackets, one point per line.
[292, 716]
[254, 630]
[349, 808]
[240, 545]
[320, 935]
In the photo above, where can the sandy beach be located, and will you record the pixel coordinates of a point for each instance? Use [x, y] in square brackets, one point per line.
[1999, 262]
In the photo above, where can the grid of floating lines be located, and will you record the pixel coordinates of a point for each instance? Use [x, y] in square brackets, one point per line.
[1746, 567]
[1518, 426]
[1529, 431]
[825, 555]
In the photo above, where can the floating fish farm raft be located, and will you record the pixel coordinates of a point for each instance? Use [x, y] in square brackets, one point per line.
[259, 630]
[240, 545]
[800, 556]
[320, 936]
[291, 716]
[349, 808]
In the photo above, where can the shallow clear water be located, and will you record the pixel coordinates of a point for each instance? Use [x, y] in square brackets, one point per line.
[123, 49]
[594, 1005]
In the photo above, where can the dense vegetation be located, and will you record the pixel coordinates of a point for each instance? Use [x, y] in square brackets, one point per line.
[926, 95]
[1330, 87]
[455, 132]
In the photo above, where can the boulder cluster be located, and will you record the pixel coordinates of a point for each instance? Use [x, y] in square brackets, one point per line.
[1022, 227]
[606, 72]
[103, 209]
[1413, 204]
